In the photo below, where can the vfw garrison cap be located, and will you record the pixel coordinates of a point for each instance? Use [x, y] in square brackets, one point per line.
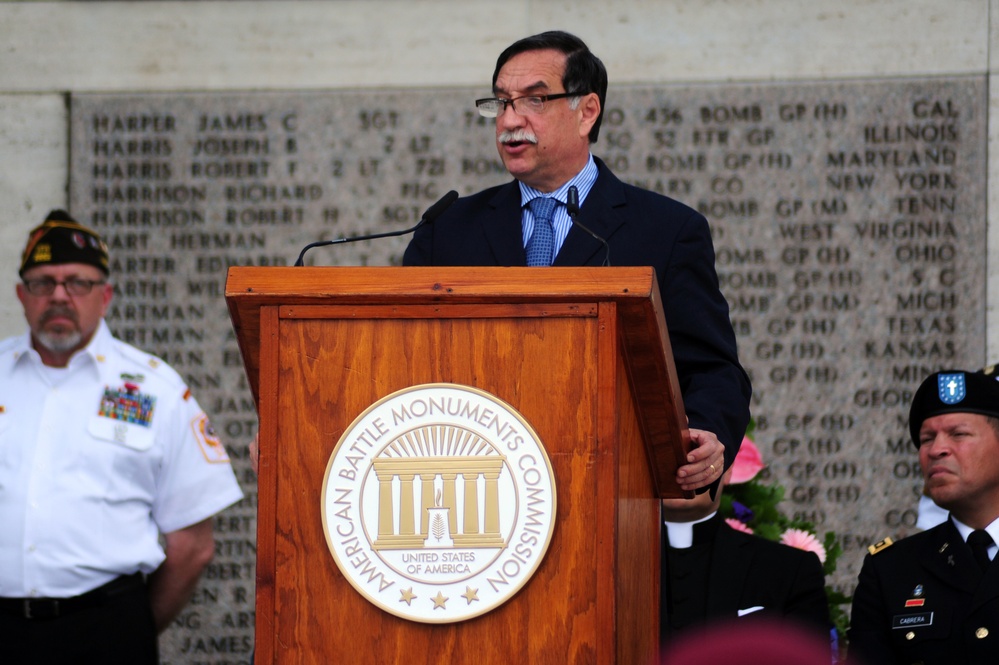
[954, 391]
[61, 239]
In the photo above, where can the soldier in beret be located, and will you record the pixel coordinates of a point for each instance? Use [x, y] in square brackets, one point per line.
[934, 597]
[104, 454]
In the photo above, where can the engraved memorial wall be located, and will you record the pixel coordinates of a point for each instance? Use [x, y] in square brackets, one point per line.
[849, 227]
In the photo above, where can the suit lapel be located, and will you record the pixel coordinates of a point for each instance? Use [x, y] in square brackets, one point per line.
[988, 587]
[502, 227]
[947, 557]
[602, 213]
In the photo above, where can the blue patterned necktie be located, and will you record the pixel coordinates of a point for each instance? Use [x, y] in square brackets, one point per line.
[541, 245]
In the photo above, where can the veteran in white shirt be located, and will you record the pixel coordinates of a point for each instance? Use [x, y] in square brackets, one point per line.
[104, 454]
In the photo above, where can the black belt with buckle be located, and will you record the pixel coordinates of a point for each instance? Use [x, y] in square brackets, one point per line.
[50, 608]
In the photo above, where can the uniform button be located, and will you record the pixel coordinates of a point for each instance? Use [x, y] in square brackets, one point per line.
[982, 633]
[910, 635]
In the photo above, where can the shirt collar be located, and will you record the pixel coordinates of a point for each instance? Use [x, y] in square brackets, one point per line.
[681, 534]
[583, 181]
[966, 530]
[93, 353]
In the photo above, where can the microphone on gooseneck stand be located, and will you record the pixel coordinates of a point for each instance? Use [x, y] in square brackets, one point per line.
[572, 207]
[432, 213]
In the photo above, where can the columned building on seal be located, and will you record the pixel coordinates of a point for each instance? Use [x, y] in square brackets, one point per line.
[418, 484]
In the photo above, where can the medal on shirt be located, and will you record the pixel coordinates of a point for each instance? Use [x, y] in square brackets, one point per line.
[124, 416]
[917, 599]
[127, 404]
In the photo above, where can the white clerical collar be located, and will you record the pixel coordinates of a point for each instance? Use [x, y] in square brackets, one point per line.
[681, 534]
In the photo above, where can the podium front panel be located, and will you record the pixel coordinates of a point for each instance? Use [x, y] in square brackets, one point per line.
[544, 360]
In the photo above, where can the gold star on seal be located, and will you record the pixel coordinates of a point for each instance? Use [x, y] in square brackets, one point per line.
[440, 601]
[407, 596]
[470, 594]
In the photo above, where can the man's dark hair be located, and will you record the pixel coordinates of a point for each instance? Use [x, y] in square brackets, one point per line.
[584, 73]
[994, 422]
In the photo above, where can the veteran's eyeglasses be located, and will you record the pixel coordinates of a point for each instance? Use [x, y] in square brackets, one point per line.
[75, 286]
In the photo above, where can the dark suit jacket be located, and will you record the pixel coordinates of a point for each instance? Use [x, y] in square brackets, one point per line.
[958, 620]
[746, 572]
[642, 229]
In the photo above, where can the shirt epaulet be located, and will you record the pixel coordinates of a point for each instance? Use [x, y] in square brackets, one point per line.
[880, 546]
[146, 362]
[11, 344]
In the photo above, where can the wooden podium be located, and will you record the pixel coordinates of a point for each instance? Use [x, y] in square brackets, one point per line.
[581, 353]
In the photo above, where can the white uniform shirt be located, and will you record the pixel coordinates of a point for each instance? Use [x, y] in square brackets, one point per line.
[930, 514]
[83, 494]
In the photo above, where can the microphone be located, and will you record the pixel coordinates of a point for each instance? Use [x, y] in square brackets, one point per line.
[572, 207]
[432, 213]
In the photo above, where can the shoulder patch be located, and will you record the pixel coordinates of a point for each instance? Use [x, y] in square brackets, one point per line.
[880, 546]
[211, 447]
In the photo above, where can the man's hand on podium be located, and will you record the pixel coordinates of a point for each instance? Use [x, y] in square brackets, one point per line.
[705, 461]
[254, 454]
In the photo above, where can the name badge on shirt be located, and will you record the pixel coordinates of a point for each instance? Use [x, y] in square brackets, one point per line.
[122, 433]
[912, 620]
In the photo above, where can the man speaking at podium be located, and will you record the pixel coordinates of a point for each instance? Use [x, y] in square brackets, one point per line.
[565, 208]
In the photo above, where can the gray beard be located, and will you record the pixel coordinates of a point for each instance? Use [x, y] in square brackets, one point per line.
[59, 343]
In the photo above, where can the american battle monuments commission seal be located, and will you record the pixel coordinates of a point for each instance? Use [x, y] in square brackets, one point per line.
[439, 503]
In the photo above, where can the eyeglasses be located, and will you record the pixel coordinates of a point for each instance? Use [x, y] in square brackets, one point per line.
[492, 107]
[74, 286]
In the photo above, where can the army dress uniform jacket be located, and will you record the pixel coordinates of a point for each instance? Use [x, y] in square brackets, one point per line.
[925, 600]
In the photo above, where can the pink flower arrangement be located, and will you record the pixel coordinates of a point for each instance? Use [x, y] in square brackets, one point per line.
[747, 463]
[737, 525]
[804, 541]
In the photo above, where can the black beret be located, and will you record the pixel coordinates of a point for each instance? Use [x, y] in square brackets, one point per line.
[61, 239]
[954, 391]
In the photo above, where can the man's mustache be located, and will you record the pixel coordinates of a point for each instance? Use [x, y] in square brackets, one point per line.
[517, 136]
[59, 311]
